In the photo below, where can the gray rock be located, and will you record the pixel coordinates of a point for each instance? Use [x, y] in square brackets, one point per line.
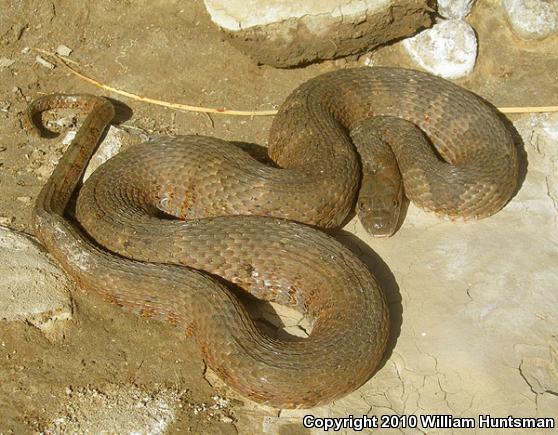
[32, 287]
[285, 34]
[457, 9]
[63, 50]
[532, 19]
[43, 62]
[116, 140]
[448, 49]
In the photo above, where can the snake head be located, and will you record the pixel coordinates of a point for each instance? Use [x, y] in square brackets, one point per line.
[379, 206]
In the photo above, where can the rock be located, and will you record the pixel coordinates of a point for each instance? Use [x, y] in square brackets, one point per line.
[69, 137]
[532, 19]
[63, 50]
[286, 34]
[448, 49]
[6, 220]
[540, 131]
[32, 287]
[116, 140]
[43, 62]
[457, 9]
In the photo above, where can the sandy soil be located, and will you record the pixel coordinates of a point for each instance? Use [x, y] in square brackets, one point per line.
[170, 50]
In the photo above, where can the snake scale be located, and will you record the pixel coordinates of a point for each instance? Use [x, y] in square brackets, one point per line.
[165, 225]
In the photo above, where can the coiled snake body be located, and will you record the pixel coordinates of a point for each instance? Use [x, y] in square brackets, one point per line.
[237, 220]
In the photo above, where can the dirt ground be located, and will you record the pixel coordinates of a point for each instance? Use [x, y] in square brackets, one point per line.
[169, 49]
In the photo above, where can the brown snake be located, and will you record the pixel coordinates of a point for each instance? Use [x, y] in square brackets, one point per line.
[236, 220]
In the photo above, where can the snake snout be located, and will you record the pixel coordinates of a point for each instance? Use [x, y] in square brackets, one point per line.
[379, 220]
[380, 229]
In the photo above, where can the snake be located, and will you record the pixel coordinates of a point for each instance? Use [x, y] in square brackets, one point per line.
[174, 228]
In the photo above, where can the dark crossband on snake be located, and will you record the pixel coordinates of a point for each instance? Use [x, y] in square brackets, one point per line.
[165, 225]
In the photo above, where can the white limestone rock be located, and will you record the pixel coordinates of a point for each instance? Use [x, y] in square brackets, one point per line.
[117, 139]
[448, 49]
[285, 33]
[242, 14]
[63, 50]
[457, 9]
[532, 19]
[32, 287]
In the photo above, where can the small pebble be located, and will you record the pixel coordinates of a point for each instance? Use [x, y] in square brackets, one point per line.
[70, 135]
[44, 62]
[65, 122]
[64, 50]
[25, 50]
[367, 60]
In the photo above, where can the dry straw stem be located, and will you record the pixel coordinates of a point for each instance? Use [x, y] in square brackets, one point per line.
[223, 111]
[185, 107]
[533, 109]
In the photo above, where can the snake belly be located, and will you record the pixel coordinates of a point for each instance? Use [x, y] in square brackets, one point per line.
[167, 221]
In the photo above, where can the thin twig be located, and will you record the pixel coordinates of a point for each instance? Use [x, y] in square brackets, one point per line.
[223, 111]
[184, 107]
[538, 109]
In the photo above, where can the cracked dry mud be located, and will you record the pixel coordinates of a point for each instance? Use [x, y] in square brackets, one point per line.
[473, 304]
